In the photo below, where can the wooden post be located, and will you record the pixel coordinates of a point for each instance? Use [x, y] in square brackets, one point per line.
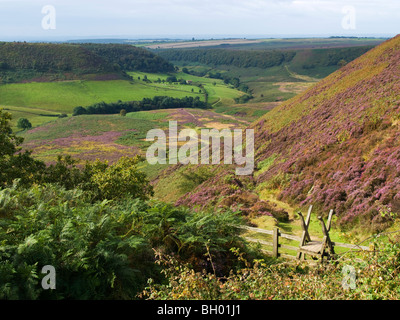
[305, 236]
[275, 248]
[329, 222]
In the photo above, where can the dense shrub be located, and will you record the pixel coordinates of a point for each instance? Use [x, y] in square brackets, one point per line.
[376, 276]
[100, 250]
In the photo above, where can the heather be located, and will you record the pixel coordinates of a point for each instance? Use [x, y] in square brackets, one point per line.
[335, 146]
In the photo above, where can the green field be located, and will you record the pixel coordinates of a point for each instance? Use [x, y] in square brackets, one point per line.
[218, 92]
[36, 101]
[41, 102]
[273, 84]
[64, 96]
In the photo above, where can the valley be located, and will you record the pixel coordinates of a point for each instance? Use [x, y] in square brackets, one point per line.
[325, 118]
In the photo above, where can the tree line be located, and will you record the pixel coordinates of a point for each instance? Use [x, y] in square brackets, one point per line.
[130, 58]
[238, 58]
[23, 61]
[146, 104]
[334, 57]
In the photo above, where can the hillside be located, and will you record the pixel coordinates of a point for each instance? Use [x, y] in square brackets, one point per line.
[130, 58]
[312, 62]
[336, 145]
[22, 62]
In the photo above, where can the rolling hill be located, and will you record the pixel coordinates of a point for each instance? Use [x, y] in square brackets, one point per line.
[337, 146]
[27, 62]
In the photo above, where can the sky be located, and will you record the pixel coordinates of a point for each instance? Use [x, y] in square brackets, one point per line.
[202, 19]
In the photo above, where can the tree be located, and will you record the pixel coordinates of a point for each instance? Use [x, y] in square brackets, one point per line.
[171, 79]
[79, 110]
[342, 63]
[121, 179]
[122, 113]
[24, 124]
[15, 164]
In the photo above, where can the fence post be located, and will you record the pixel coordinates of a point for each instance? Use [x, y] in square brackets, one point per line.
[275, 236]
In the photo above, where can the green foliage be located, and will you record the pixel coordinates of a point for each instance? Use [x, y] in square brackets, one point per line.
[334, 57]
[238, 58]
[85, 242]
[100, 250]
[157, 102]
[120, 179]
[24, 124]
[101, 180]
[376, 276]
[26, 61]
[192, 179]
[171, 79]
[104, 181]
[130, 58]
[14, 164]
[243, 99]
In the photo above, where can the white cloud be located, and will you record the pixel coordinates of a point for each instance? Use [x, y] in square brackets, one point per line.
[136, 17]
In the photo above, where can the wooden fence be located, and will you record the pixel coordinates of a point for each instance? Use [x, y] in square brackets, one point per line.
[276, 245]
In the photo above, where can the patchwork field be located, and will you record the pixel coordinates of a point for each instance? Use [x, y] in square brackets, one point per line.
[204, 43]
[262, 44]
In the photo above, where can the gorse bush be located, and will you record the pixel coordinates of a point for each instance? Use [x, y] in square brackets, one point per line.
[101, 250]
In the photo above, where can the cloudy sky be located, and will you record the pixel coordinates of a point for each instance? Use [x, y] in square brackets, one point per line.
[73, 19]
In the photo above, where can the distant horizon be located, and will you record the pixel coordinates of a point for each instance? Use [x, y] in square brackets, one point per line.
[61, 20]
[183, 37]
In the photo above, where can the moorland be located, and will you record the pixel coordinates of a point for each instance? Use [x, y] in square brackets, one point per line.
[76, 192]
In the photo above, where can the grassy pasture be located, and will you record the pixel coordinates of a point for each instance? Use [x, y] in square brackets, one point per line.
[64, 96]
[218, 92]
[41, 102]
[36, 99]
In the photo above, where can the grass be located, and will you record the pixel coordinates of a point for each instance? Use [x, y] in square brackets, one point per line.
[277, 83]
[218, 92]
[107, 137]
[248, 112]
[64, 96]
[148, 115]
[35, 116]
[33, 100]
[39, 102]
[294, 226]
